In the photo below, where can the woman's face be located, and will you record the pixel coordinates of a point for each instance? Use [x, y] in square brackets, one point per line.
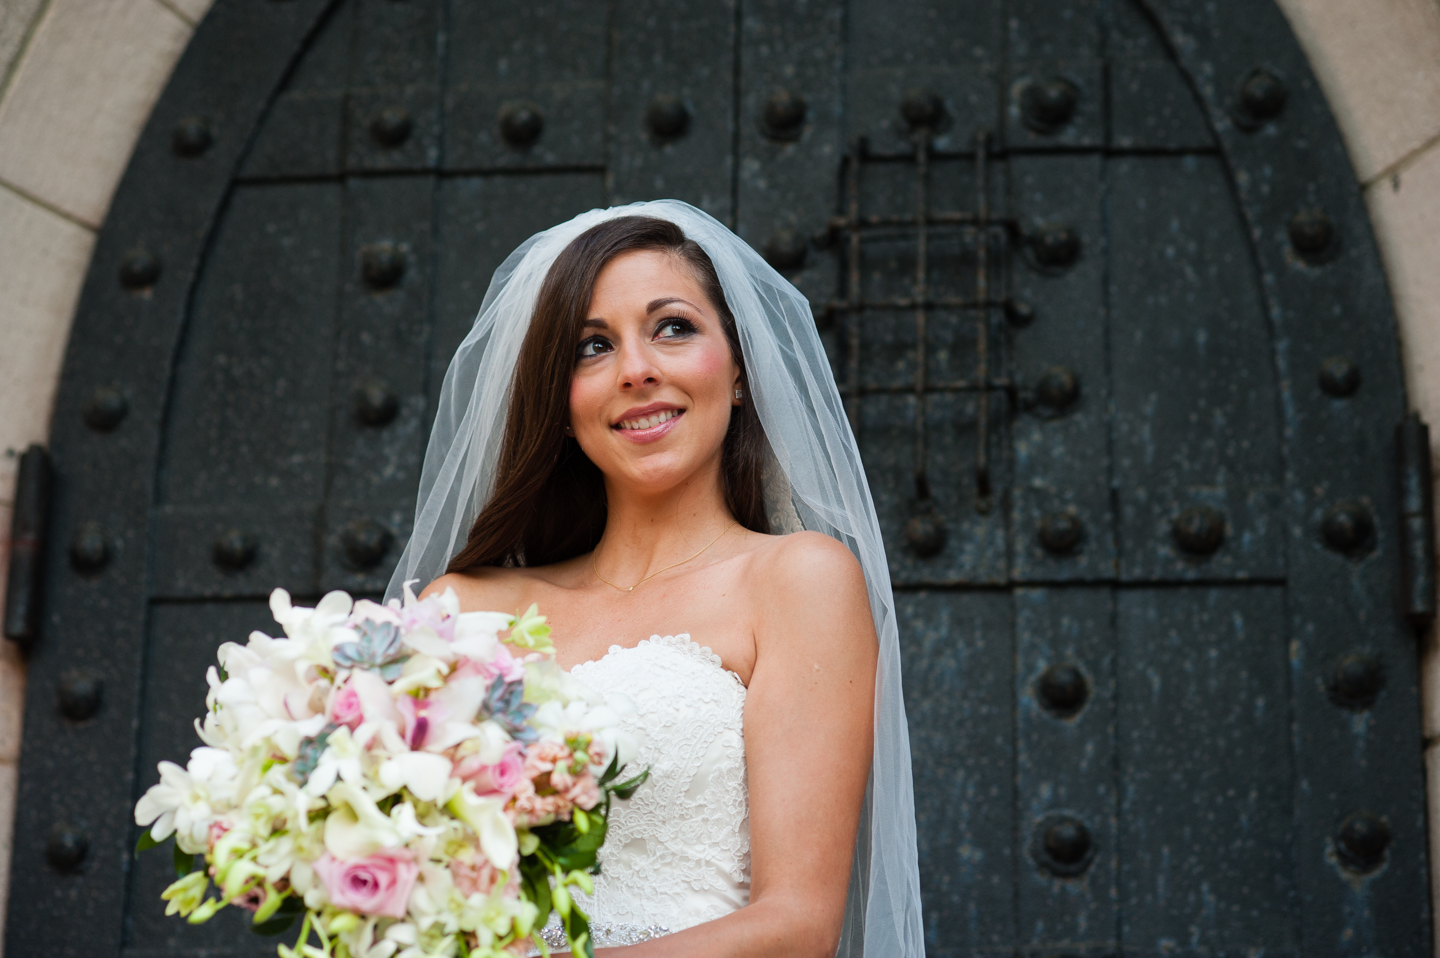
[654, 379]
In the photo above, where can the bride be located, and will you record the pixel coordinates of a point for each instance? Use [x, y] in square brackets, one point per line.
[642, 435]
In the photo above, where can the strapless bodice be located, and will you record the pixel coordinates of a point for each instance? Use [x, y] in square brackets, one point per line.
[678, 852]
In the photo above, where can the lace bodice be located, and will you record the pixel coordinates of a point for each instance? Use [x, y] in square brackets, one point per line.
[678, 852]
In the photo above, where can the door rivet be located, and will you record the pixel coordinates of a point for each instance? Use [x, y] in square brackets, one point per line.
[922, 108]
[667, 116]
[1348, 527]
[78, 695]
[1199, 530]
[391, 126]
[784, 115]
[366, 543]
[191, 136]
[1063, 690]
[234, 549]
[1261, 98]
[1062, 846]
[926, 534]
[139, 269]
[382, 265]
[106, 408]
[1048, 105]
[1057, 388]
[786, 249]
[376, 403]
[66, 847]
[1358, 681]
[1019, 313]
[1312, 233]
[1061, 532]
[1360, 842]
[1339, 377]
[89, 550]
[521, 123]
[1055, 247]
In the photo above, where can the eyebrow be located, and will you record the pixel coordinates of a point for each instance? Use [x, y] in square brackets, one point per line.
[595, 324]
[664, 301]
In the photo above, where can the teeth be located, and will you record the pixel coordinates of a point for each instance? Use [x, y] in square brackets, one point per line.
[650, 422]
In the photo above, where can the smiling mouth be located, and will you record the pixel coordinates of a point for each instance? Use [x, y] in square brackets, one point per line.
[648, 422]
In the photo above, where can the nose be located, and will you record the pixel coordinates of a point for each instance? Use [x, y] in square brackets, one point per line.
[637, 367]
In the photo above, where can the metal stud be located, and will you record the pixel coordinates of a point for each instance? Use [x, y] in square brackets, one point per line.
[1339, 377]
[376, 403]
[1312, 234]
[106, 409]
[392, 126]
[1357, 681]
[922, 108]
[1057, 388]
[1048, 105]
[89, 549]
[191, 136]
[521, 123]
[1062, 690]
[78, 695]
[1060, 533]
[139, 269]
[1199, 530]
[1055, 247]
[1020, 314]
[925, 533]
[1348, 527]
[784, 115]
[66, 847]
[366, 543]
[1361, 841]
[786, 249]
[1062, 846]
[382, 265]
[667, 116]
[1260, 99]
[234, 549]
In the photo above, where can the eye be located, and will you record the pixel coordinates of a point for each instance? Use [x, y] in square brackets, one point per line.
[674, 328]
[593, 346]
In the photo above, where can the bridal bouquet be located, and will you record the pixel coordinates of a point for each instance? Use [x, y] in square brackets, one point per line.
[398, 778]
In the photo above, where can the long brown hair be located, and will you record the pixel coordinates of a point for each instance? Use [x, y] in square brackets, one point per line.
[549, 499]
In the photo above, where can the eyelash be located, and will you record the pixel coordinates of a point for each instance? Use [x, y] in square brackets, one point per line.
[686, 328]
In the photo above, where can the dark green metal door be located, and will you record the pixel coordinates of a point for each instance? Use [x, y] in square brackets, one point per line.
[1099, 288]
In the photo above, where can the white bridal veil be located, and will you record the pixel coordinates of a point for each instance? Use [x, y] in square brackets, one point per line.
[816, 482]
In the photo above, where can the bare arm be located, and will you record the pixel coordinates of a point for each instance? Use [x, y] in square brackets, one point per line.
[808, 738]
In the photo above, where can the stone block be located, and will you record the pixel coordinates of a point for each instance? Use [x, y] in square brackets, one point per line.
[1376, 61]
[9, 779]
[192, 10]
[43, 258]
[80, 96]
[16, 19]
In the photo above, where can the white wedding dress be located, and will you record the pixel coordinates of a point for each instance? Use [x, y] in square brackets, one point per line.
[677, 852]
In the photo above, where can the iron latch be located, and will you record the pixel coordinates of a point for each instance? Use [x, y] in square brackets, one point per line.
[1417, 521]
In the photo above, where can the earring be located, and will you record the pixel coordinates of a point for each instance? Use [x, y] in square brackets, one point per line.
[739, 393]
[569, 429]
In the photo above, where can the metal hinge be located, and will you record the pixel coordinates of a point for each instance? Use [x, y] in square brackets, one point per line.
[27, 547]
[1417, 521]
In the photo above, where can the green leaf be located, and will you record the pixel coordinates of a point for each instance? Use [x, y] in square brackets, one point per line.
[627, 788]
[184, 862]
[577, 929]
[275, 926]
[612, 771]
[535, 882]
[146, 842]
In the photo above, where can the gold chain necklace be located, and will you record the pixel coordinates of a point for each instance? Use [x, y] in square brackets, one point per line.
[594, 556]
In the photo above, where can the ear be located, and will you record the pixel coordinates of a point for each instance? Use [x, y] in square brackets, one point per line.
[737, 392]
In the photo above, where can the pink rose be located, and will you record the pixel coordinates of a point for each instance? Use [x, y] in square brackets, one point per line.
[376, 885]
[504, 776]
[345, 707]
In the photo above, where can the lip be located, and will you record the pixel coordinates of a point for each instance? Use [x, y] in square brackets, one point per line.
[654, 432]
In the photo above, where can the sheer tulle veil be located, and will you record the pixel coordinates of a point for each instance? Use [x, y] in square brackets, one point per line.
[814, 481]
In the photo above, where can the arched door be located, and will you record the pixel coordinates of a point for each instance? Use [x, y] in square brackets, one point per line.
[1100, 290]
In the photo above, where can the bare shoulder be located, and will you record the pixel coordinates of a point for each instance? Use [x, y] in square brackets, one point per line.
[488, 588]
[807, 563]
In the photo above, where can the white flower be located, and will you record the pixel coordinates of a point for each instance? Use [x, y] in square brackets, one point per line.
[341, 759]
[184, 802]
[356, 827]
[486, 816]
[423, 773]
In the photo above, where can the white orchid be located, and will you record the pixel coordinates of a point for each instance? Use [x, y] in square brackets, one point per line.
[485, 814]
[186, 800]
